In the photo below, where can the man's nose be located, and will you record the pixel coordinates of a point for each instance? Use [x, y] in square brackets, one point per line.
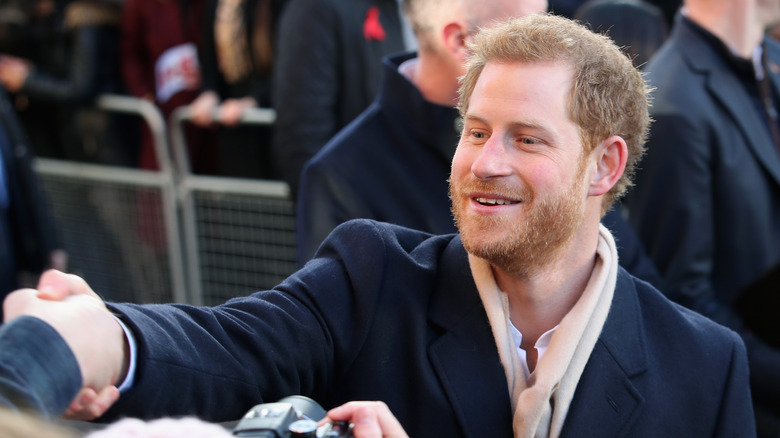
[493, 159]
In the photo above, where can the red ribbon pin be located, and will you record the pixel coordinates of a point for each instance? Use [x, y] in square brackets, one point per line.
[372, 28]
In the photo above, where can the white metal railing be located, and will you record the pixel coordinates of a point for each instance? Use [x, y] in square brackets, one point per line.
[223, 236]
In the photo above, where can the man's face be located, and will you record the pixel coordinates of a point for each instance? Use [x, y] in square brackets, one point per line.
[518, 185]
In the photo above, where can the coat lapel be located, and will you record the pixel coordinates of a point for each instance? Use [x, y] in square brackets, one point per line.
[465, 355]
[607, 399]
[720, 84]
[466, 360]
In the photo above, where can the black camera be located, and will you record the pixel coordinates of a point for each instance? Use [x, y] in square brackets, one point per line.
[295, 416]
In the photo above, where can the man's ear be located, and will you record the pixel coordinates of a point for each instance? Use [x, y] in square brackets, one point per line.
[454, 35]
[610, 160]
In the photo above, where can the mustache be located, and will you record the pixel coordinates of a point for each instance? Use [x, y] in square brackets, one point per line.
[495, 187]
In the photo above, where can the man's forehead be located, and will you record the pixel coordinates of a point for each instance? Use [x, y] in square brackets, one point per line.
[527, 76]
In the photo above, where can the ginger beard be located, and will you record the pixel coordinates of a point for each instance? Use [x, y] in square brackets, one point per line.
[519, 246]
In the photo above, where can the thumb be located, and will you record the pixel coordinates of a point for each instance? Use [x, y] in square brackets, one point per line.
[56, 286]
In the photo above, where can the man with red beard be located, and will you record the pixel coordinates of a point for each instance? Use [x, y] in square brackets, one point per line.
[522, 325]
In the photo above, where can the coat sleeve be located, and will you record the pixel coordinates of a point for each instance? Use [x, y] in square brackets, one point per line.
[43, 379]
[218, 362]
[81, 83]
[736, 414]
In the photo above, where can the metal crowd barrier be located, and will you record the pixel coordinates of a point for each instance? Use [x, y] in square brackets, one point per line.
[239, 233]
[119, 225]
[170, 235]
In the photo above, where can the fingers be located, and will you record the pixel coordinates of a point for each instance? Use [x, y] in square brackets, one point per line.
[202, 108]
[82, 320]
[89, 404]
[56, 286]
[369, 419]
[230, 112]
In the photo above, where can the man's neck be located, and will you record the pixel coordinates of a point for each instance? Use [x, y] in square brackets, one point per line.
[539, 303]
[736, 26]
[435, 80]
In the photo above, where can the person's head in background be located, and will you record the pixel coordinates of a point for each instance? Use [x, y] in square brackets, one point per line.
[442, 28]
[636, 26]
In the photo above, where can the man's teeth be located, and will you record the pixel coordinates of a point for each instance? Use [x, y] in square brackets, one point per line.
[491, 201]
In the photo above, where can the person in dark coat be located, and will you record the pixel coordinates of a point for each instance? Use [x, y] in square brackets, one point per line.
[392, 163]
[327, 72]
[28, 236]
[707, 198]
[521, 324]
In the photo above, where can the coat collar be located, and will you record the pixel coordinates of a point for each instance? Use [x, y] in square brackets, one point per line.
[466, 359]
[435, 126]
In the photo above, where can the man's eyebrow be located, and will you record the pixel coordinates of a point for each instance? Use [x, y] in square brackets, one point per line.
[527, 124]
[473, 118]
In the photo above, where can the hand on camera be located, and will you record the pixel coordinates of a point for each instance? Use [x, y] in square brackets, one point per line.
[369, 419]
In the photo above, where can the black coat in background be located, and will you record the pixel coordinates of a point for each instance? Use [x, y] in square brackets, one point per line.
[327, 71]
[707, 197]
[27, 229]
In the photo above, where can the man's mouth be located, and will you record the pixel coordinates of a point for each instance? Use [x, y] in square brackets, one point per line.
[494, 201]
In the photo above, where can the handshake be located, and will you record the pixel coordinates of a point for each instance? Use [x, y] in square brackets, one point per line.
[100, 357]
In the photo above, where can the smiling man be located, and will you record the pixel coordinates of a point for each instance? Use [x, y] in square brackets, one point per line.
[522, 325]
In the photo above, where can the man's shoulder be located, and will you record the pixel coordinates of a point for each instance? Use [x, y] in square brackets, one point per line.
[372, 232]
[668, 320]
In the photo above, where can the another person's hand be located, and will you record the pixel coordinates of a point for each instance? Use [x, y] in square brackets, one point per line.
[13, 72]
[90, 404]
[68, 304]
[202, 109]
[231, 110]
[369, 419]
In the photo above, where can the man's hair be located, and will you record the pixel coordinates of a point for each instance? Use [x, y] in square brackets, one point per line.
[609, 96]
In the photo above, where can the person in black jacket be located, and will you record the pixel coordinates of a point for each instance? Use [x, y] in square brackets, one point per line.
[327, 72]
[70, 65]
[707, 198]
[28, 237]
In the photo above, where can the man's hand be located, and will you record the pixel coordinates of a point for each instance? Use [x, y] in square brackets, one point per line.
[231, 110]
[203, 107]
[69, 305]
[13, 72]
[369, 419]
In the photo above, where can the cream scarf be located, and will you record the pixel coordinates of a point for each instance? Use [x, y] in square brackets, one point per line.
[541, 403]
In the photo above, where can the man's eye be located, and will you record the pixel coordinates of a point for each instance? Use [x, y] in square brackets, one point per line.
[478, 134]
[528, 140]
